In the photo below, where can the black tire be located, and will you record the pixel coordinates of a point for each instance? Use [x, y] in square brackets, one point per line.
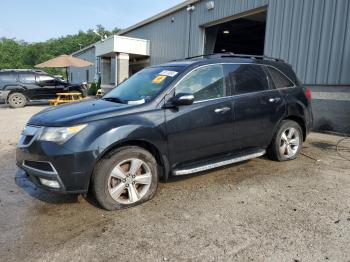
[17, 100]
[101, 180]
[277, 144]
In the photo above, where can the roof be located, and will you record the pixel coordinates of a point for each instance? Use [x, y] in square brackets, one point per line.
[64, 61]
[21, 70]
[84, 49]
[158, 16]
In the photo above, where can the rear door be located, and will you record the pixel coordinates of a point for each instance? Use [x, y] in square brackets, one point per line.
[257, 107]
[203, 129]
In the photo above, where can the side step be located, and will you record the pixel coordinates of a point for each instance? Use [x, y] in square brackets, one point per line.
[223, 162]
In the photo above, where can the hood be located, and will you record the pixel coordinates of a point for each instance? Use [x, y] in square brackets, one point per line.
[76, 113]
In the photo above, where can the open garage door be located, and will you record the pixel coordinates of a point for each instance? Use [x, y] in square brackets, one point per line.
[244, 35]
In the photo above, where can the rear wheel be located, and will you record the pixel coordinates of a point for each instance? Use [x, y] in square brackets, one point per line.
[17, 100]
[127, 177]
[287, 142]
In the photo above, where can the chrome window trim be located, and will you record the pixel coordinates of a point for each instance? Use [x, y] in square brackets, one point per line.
[195, 102]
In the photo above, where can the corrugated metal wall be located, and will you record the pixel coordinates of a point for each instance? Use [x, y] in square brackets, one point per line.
[312, 35]
[185, 35]
[79, 74]
[168, 39]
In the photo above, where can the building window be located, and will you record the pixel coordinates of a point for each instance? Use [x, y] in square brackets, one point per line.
[71, 77]
[87, 76]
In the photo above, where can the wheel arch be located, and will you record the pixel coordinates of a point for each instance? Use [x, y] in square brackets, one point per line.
[300, 121]
[16, 89]
[161, 159]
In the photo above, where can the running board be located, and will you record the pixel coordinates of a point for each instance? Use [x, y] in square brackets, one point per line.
[225, 162]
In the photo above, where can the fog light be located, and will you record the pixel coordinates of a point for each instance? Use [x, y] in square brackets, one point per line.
[49, 183]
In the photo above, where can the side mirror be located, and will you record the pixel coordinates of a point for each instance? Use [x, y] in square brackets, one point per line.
[181, 99]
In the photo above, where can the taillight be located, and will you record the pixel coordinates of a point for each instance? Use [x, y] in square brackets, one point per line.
[308, 93]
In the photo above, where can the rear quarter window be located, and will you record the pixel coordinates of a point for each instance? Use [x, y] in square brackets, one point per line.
[247, 78]
[279, 79]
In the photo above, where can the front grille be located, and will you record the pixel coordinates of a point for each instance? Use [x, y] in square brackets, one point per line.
[43, 166]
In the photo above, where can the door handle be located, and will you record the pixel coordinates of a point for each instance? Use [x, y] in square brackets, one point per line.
[274, 99]
[222, 110]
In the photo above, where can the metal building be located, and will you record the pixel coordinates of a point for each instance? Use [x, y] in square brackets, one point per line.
[312, 35]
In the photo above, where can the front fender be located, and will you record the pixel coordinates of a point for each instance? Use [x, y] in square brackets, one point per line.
[101, 136]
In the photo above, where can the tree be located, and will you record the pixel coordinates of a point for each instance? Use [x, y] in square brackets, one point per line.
[11, 54]
[19, 54]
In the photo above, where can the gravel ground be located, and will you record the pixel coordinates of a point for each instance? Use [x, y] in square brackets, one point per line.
[258, 210]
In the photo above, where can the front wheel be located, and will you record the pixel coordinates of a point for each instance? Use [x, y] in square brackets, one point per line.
[17, 100]
[126, 177]
[287, 142]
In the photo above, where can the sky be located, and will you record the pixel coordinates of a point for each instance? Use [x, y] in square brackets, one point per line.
[39, 20]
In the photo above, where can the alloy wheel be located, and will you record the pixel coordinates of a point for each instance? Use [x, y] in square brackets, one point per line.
[129, 181]
[17, 100]
[290, 142]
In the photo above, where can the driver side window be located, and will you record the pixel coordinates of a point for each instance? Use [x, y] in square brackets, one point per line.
[204, 83]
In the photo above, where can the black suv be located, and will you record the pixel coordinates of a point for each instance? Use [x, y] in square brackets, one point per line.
[17, 87]
[175, 119]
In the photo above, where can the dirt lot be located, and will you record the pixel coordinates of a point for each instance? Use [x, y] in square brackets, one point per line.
[258, 210]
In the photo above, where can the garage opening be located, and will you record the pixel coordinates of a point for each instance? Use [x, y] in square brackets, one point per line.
[244, 35]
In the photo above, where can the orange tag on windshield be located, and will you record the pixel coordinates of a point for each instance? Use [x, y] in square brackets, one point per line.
[158, 79]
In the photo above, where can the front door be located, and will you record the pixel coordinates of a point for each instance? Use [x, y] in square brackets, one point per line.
[203, 129]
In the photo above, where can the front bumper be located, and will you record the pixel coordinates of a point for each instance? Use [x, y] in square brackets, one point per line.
[53, 162]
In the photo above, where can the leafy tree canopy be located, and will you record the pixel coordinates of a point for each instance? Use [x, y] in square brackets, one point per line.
[18, 54]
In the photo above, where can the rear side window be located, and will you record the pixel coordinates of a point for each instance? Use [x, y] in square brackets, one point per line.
[27, 78]
[247, 78]
[8, 77]
[204, 83]
[278, 78]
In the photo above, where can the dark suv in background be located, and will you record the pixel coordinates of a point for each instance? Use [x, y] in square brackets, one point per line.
[175, 119]
[17, 87]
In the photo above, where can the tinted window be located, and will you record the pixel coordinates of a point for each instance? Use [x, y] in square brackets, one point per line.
[279, 79]
[247, 78]
[27, 78]
[8, 77]
[204, 83]
[47, 80]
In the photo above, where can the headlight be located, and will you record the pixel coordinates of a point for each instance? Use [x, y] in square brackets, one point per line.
[59, 134]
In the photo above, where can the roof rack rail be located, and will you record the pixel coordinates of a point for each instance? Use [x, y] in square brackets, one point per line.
[230, 54]
[263, 57]
[22, 70]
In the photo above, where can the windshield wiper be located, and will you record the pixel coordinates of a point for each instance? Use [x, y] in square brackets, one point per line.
[114, 99]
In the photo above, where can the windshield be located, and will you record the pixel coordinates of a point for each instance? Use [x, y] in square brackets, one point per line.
[143, 86]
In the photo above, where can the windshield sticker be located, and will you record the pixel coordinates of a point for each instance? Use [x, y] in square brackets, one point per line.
[136, 102]
[168, 73]
[158, 79]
